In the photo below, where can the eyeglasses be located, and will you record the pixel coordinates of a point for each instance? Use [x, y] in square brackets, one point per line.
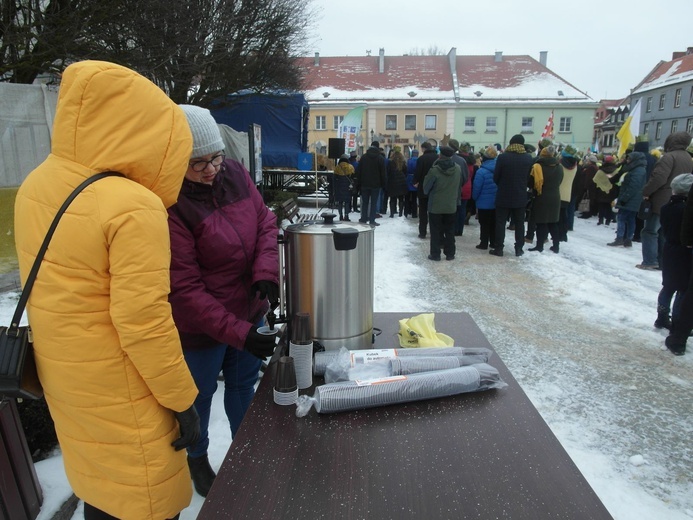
[200, 166]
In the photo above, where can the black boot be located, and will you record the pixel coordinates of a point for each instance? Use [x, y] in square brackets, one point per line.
[663, 320]
[202, 474]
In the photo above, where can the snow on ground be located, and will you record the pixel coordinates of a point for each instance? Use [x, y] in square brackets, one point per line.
[575, 329]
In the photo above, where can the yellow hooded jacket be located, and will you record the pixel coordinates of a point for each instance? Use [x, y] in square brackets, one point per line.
[107, 350]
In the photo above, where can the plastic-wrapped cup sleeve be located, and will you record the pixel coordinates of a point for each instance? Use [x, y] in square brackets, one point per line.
[350, 395]
[471, 355]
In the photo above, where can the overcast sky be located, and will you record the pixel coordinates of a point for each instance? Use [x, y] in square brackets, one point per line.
[602, 47]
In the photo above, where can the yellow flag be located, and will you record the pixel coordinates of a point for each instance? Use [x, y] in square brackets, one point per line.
[631, 128]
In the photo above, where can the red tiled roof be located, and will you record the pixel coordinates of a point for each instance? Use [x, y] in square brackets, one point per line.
[431, 74]
[509, 72]
[668, 72]
[362, 72]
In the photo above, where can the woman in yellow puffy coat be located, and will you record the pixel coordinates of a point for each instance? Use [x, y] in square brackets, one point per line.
[107, 351]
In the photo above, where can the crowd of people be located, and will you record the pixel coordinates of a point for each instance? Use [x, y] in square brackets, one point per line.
[537, 192]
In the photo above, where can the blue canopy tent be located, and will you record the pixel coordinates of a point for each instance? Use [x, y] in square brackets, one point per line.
[283, 118]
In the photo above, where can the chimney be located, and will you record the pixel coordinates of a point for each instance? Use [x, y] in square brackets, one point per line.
[499, 57]
[689, 51]
[381, 60]
[452, 58]
[677, 55]
[542, 57]
[316, 62]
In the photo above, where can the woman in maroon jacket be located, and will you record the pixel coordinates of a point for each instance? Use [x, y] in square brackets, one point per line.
[224, 267]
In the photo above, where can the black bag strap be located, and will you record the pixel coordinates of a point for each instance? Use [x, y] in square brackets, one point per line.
[13, 330]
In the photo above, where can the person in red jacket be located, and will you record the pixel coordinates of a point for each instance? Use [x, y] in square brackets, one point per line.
[224, 268]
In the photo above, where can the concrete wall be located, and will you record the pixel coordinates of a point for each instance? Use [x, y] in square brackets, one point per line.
[26, 120]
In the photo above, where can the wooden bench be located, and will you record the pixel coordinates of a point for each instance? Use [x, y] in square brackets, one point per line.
[292, 213]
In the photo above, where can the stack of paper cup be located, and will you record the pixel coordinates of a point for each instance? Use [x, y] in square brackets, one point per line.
[285, 387]
[301, 349]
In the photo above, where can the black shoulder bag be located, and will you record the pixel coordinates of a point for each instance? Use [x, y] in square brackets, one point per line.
[18, 376]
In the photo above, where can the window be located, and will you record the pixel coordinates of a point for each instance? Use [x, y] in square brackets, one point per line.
[689, 126]
[320, 123]
[336, 122]
[491, 124]
[565, 124]
[390, 122]
[527, 124]
[674, 125]
[646, 129]
[662, 98]
[649, 104]
[658, 131]
[690, 101]
[469, 123]
[410, 122]
[431, 122]
[677, 98]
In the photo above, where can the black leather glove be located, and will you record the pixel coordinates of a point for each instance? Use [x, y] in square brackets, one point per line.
[259, 345]
[267, 289]
[189, 423]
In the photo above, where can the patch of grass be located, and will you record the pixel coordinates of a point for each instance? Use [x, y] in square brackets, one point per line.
[8, 254]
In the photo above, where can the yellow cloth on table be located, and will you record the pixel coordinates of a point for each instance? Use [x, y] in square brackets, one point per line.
[420, 331]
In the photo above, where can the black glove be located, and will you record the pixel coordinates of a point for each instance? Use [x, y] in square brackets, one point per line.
[259, 345]
[189, 423]
[267, 289]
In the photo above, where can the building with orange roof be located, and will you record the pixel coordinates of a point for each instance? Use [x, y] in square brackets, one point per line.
[412, 98]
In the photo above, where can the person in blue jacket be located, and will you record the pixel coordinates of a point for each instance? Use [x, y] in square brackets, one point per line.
[633, 178]
[484, 195]
[410, 198]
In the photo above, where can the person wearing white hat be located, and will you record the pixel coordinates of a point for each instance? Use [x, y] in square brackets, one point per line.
[224, 268]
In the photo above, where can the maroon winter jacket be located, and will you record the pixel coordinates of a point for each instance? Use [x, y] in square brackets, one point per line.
[223, 239]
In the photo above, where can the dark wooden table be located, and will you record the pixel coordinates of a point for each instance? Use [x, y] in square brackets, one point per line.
[482, 455]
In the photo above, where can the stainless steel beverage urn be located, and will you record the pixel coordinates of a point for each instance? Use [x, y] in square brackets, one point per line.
[329, 275]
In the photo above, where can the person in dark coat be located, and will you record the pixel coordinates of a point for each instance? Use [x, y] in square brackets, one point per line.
[546, 179]
[605, 189]
[676, 258]
[370, 177]
[466, 164]
[644, 147]
[410, 198]
[511, 177]
[354, 161]
[629, 197]
[343, 180]
[675, 161]
[423, 164]
[396, 182]
[583, 178]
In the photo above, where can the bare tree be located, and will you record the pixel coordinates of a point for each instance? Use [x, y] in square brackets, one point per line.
[195, 50]
[38, 36]
[433, 50]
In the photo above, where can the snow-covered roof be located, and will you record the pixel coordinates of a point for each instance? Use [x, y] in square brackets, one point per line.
[668, 73]
[432, 79]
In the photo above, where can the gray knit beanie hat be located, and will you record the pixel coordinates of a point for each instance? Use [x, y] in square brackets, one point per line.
[204, 129]
[681, 184]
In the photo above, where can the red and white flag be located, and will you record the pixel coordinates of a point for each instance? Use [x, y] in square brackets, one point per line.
[548, 129]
